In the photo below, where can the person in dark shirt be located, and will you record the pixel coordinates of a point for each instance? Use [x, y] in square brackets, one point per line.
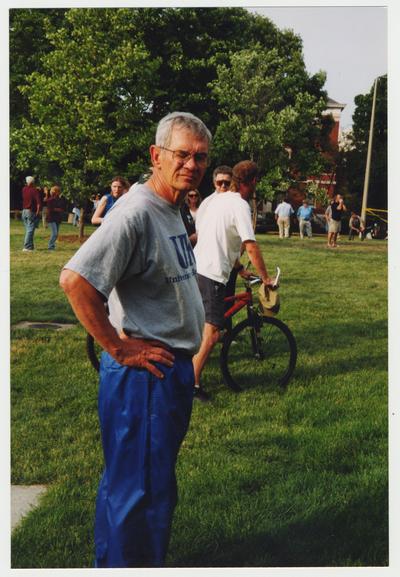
[55, 208]
[188, 212]
[333, 215]
[31, 207]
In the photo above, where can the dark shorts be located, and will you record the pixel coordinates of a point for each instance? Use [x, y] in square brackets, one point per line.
[212, 293]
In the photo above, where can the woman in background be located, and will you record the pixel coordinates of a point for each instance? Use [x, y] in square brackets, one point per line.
[188, 212]
[119, 186]
[55, 209]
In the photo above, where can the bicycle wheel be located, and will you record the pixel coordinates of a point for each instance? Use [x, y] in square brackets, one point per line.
[261, 354]
[93, 352]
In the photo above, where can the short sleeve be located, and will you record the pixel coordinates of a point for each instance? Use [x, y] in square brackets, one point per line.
[107, 254]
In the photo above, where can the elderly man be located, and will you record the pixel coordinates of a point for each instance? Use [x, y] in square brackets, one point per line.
[141, 260]
[304, 214]
[223, 225]
[31, 207]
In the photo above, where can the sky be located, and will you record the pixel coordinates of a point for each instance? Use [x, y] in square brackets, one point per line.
[348, 42]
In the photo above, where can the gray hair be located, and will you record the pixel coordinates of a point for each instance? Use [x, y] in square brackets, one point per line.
[180, 120]
[29, 180]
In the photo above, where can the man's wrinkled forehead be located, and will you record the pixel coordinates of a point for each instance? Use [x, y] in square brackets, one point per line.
[184, 137]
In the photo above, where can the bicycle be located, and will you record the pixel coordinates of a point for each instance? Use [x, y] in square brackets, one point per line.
[258, 350]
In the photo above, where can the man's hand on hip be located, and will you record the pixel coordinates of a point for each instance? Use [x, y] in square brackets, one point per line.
[142, 353]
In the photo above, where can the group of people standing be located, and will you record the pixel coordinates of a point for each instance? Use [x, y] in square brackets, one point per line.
[283, 213]
[305, 214]
[33, 204]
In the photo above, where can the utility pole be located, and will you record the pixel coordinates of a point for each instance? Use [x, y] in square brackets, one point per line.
[369, 152]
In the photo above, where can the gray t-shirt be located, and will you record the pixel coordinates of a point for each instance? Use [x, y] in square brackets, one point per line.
[141, 260]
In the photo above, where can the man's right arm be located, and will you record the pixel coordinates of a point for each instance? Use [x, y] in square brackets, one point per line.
[88, 306]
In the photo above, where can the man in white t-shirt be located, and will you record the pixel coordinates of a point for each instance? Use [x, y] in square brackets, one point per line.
[283, 212]
[223, 224]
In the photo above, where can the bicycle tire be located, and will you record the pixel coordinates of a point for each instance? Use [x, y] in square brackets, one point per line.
[91, 352]
[273, 364]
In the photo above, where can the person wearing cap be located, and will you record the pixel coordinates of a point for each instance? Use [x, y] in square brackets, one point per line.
[140, 259]
[223, 225]
[31, 207]
[304, 214]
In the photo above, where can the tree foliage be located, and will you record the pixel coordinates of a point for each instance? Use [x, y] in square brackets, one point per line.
[89, 99]
[271, 113]
[351, 171]
[99, 80]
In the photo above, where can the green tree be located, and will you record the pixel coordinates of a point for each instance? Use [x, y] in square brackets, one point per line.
[27, 44]
[351, 170]
[271, 111]
[105, 77]
[91, 120]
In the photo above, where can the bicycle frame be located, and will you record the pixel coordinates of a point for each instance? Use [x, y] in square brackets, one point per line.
[241, 300]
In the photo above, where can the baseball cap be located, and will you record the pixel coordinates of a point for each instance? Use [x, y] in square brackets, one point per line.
[269, 301]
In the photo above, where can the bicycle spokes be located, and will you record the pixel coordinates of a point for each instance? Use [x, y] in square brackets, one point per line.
[258, 355]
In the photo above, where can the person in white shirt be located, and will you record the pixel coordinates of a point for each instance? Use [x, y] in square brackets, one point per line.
[223, 224]
[283, 212]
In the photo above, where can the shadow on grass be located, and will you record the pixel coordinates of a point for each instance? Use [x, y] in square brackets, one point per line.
[354, 536]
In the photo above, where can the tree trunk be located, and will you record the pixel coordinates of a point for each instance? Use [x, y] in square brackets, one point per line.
[81, 223]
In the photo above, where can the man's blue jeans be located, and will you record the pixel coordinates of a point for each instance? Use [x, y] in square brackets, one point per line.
[54, 227]
[30, 220]
[143, 422]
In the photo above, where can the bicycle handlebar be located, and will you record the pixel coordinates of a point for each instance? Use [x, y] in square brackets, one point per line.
[257, 280]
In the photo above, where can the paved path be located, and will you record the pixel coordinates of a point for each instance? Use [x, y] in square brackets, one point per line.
[23, 499]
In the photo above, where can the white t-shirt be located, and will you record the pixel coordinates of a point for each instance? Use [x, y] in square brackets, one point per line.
[223, 223]
[284, 209]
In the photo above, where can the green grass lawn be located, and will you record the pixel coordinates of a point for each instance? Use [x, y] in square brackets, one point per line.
[266, 478]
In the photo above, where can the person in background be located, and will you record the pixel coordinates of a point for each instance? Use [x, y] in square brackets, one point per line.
[223, 226]
[119, 186]
[222, 180]
[76, 215]
[356, 226]
[95, 201]
[333, 215]
[31, 207]
[283, 212]
[55, 209]
[189, 211]
[141, 261]
[304, 214]
[46, 195]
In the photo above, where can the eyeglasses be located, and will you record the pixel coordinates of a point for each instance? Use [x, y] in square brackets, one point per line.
[223, 183]
[183, 156]
[193, 195]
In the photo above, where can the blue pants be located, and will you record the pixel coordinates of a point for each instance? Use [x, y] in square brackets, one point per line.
[30, 221]
[54, 227]
[143, 422]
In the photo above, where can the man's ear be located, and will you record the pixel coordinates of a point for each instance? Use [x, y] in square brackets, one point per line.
[155, 152]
